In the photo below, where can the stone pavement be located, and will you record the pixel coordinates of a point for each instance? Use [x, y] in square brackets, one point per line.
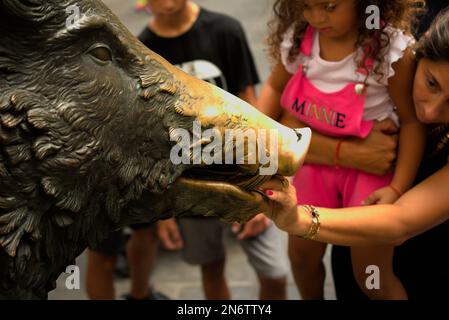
[171, 275]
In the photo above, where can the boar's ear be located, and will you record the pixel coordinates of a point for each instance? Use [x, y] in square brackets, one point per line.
[34, 11]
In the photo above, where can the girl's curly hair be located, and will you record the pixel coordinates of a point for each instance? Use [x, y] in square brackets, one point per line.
[399, 14]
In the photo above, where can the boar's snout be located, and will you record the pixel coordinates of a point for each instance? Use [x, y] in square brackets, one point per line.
[219, 124]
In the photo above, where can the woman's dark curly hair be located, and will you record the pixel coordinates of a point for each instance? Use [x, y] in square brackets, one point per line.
[434, 44]
[399, 14]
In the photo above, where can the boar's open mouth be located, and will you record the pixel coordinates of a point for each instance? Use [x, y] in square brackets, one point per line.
[245, 177]
[241, 179]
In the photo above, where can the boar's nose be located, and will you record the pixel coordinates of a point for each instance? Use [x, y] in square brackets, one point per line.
[222, 110]
[214, 107]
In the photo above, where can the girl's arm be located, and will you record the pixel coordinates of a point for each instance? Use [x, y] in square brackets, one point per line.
[375, 154]
[269, 101]
[248, 94]
[420, 209]
[411, 135]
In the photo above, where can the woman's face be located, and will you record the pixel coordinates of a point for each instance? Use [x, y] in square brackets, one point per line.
[431, 91]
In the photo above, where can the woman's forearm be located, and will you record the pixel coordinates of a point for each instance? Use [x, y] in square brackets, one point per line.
[361, 226]
[421, 208]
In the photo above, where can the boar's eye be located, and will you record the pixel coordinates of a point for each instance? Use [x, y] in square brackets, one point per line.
[101, 53]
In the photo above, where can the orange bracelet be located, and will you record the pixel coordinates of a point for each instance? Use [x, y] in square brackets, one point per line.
[396, 190]
[337, 152]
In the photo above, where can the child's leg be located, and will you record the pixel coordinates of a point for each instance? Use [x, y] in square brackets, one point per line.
[315, 185]
[306, 259]
[204, 246]
[372, 266]
[266, 255]
[373, 271]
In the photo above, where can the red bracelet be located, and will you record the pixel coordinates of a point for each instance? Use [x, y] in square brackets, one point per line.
[337, 152]
[398, 192]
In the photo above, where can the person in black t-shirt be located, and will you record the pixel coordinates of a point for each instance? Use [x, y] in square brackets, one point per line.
[213, 47]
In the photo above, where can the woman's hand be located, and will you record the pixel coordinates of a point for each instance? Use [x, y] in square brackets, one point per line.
[376, 154]
[283, 204]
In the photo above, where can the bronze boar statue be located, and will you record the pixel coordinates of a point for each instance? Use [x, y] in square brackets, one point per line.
[87, 119]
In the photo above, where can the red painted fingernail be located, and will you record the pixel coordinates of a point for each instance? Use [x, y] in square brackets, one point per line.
[269, 192]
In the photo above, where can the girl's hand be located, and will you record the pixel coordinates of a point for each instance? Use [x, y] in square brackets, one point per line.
[252, 228]
[384, 195]
[283, 203]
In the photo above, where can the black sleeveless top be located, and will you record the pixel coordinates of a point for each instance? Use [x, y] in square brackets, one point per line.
[422, 263]
[437, 152]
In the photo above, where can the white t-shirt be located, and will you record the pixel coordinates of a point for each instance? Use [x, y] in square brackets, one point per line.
[330, 76]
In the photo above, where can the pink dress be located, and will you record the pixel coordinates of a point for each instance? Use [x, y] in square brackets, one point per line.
[336, 114]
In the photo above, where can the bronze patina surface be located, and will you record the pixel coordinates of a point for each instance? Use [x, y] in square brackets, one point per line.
[86, 117]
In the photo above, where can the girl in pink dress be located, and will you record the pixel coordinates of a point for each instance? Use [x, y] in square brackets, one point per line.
[338, 73]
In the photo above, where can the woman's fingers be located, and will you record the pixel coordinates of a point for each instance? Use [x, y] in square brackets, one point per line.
[273, 184]
[278, 196]
[282, 196]
[280, 190]
[386, 126]
[286, 199]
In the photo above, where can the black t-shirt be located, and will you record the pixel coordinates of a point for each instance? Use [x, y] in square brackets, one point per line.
[215, 49]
